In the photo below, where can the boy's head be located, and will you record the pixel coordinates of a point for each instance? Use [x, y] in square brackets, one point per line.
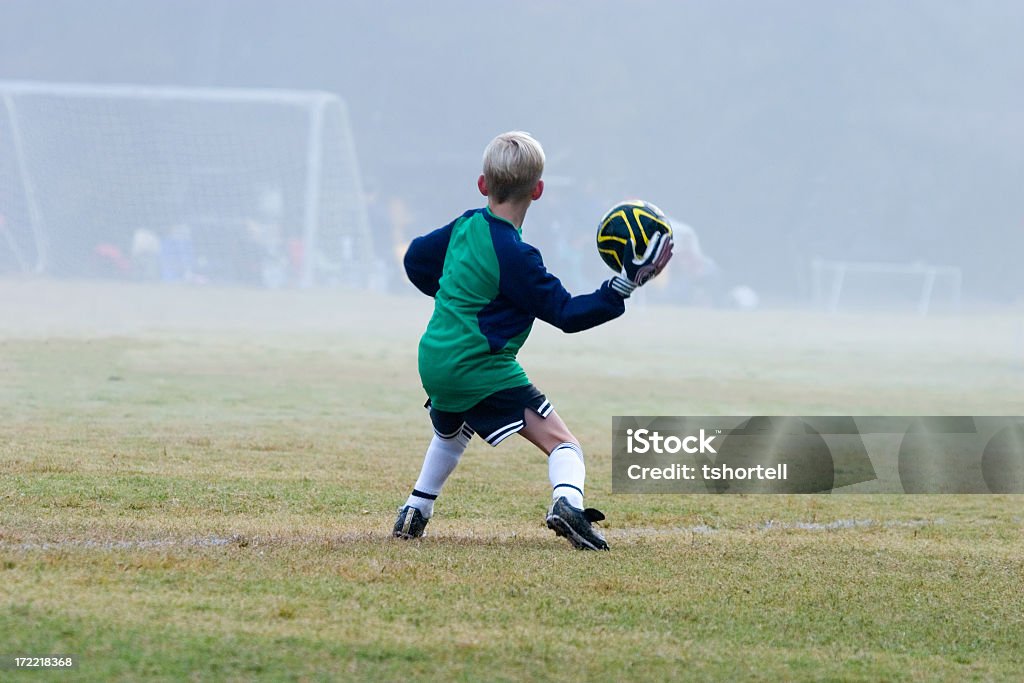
[513, 164]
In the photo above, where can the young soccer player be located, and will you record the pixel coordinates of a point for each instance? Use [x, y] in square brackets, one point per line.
[488, 287]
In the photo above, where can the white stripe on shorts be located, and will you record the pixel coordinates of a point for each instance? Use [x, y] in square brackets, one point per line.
[453, 434]
[499, 435]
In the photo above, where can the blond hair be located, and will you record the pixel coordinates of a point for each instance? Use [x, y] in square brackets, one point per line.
[513, 163]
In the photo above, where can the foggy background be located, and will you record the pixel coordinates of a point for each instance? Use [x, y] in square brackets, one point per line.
[781, 131]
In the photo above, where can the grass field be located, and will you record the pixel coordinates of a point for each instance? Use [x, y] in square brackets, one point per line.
[200, 484]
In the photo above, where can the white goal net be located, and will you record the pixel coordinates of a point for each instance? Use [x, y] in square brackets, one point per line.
[233, 186]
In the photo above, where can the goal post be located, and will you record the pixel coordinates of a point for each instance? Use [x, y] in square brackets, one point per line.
[867, 284]
[254, 186]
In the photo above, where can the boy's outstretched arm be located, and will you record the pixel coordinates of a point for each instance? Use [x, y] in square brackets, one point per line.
[528, 284]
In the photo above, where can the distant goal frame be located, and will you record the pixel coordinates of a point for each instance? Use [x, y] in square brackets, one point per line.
[828, 278]
[315, 101]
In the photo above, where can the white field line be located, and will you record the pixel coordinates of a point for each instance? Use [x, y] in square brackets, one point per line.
[244, 541]
[774, 525]
[90, 544]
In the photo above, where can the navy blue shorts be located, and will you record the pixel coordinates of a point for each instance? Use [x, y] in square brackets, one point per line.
[495, 418]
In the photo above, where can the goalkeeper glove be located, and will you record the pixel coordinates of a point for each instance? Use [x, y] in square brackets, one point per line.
[637, 270]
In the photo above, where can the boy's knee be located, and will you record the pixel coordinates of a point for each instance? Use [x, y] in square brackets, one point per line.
[565, 436]
[559, 435]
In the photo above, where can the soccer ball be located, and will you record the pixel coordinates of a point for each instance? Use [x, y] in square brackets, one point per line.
[630, 223]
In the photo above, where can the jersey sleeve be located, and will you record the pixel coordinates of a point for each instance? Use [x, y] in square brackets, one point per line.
[526, 282]
[424, 259]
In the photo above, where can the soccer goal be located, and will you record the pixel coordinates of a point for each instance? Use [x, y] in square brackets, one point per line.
[220, 185]
[850, 285]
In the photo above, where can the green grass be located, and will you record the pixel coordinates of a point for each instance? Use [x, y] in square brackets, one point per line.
[199, 485]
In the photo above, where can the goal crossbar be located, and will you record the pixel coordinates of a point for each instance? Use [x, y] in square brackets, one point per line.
[117, 90]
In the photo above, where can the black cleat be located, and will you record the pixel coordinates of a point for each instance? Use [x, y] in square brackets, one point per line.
[410, 523]
[575, 525]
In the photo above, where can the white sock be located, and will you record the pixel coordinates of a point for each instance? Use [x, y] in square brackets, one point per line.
[567, 472]
[438, 464]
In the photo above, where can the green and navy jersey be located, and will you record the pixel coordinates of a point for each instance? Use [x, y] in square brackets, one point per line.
[488, 287]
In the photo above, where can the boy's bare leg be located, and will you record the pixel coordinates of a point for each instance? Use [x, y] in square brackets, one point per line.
[566, 469]
[567, 516]
[546, 433]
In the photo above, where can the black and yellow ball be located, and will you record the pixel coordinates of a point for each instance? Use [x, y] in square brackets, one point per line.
[630, 224]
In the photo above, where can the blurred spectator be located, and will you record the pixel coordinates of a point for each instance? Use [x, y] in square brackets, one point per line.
[694, 277]
[384, 267]
[146, 255]
[177, 255]
[265, 234]
[110, 261]
[401, 219]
